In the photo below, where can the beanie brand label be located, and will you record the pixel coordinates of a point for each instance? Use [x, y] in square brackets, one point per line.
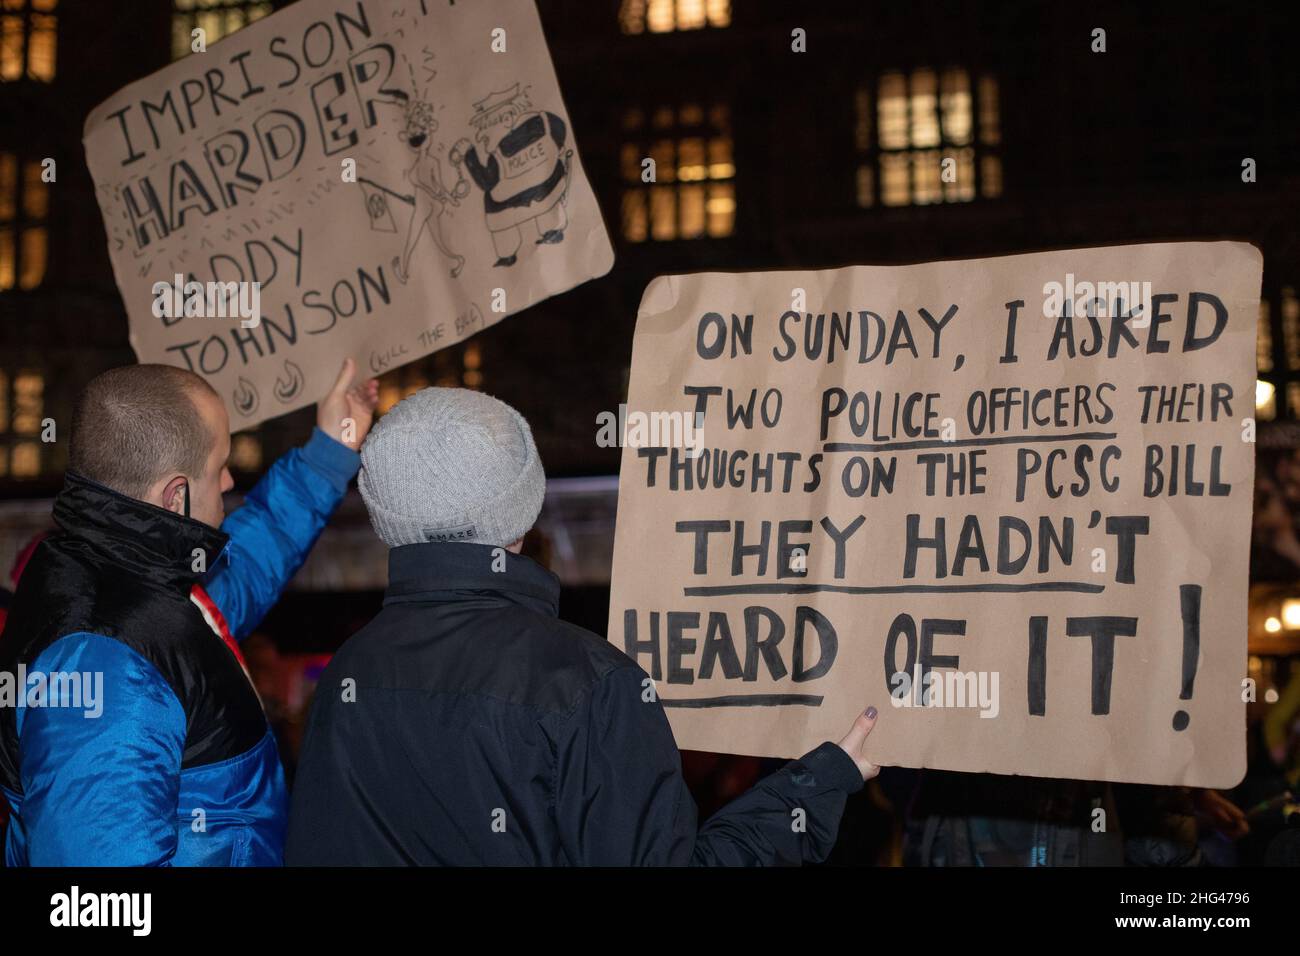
[460, 532]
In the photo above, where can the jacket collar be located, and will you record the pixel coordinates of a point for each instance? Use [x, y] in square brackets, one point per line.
[447, 571]
[149, 542]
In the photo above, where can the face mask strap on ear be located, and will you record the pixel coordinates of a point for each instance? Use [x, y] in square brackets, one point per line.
[187, 498]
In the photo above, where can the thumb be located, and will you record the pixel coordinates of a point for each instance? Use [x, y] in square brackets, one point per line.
[857, 735]
[856, 738]
[345, 377]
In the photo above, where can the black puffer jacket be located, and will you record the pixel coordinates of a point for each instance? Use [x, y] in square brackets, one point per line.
[468, 725]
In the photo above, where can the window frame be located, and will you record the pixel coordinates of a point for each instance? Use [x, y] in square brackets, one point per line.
[11, 440]
[645, 139]
[190, 18]
[28, 14]
[21, 222]
[637, 23]
[869, 157]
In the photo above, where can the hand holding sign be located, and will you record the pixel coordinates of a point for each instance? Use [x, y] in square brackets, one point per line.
[348, 411]
[325, 212]
[855, 742]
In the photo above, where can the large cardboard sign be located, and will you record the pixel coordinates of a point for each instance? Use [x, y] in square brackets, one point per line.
[374, 178]
[1007, 501]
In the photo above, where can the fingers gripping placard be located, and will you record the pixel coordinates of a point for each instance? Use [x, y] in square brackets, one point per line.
[1008, 499]
[368, 178]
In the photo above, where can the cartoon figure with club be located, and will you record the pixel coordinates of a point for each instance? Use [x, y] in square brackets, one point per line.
[430, 195]
[524, 170]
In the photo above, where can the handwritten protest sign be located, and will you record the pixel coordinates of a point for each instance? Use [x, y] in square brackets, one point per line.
[1005, 500]
[374, 178]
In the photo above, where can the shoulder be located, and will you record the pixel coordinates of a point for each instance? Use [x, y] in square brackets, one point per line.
[85, 654]
[64, 601]
[509, 654]
[572, 646]
[572, 659]
[88, 675]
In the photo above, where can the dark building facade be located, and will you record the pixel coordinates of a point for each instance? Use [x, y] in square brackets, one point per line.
[784, 135]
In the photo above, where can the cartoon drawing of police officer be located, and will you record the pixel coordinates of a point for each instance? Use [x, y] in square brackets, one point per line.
[525, 175]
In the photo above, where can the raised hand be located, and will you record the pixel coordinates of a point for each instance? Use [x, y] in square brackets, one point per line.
[348, 411]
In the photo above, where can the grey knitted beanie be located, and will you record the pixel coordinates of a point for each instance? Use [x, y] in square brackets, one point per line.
[451, 464]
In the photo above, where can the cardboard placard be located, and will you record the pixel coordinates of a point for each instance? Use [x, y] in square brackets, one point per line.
[395, 175]
[1007, 501]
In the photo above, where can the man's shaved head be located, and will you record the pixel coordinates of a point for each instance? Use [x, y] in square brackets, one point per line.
[133, 425]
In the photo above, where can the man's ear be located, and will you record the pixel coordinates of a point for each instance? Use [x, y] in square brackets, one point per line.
[174, 494]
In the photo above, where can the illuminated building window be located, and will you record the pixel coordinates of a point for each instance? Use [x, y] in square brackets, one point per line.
[216, 18]
[450, 368]
[693, 195]
[1289, 312]
[22, 404]
[28, 40]
[24, 210]
[472, 361]
[665, 16]
[1293, 398]
[1277, 354]
[1265, 391]
[1264, 339]
[407, 380]
[927, 137]
[245, 452]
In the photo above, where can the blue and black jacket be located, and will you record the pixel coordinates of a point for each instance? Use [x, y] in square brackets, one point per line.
[137, 737]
